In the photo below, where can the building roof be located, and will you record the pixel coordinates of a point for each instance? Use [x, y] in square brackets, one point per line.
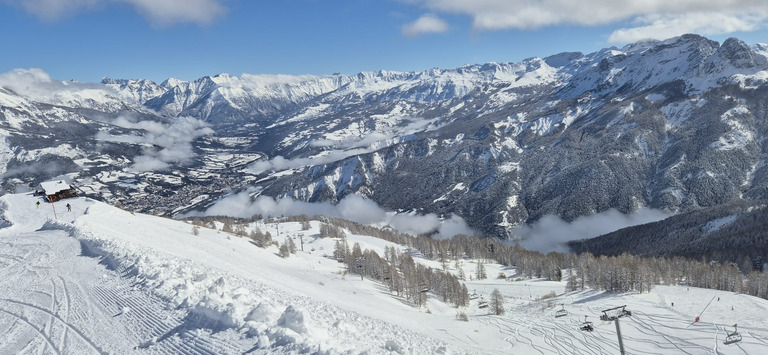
[52, 187]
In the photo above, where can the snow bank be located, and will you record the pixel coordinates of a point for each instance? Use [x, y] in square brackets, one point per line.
[218, 299]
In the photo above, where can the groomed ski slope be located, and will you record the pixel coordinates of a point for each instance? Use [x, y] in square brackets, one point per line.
[103, 280]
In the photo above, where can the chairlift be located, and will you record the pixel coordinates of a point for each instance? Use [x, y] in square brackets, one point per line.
[473, 296]
[482, 303]
[615, 313]
[734, 337]
[586, 326]
[561, 312]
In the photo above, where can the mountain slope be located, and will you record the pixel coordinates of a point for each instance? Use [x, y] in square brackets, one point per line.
[732, 232]
[99, 279]
[674, 125]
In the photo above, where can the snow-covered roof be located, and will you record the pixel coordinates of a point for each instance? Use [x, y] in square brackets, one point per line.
[52, 187]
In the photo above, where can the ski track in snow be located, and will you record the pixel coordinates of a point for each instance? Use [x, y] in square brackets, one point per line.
[108, 281]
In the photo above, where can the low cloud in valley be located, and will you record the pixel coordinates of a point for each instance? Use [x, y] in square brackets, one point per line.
[352, 207]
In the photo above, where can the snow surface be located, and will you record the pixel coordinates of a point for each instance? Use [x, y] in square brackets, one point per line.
[721, 222]
[102, 280]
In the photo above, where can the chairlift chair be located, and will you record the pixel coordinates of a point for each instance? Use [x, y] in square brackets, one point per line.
[586, 326]
[473, 296]
[734, 337]
[561, 312]
[615, 313]
[482, 303]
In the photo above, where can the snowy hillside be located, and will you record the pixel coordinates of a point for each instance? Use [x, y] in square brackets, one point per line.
[98, 279]
[673, 125]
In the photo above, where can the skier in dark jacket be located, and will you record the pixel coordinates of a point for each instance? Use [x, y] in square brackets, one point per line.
[69, 208]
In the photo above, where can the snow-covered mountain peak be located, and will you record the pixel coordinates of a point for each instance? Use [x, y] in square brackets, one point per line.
[563, 59]
[135, 90]
[37, 85]
[739, 55]
[172, 82]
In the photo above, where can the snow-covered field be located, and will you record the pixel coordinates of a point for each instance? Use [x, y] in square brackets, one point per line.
[103, 280]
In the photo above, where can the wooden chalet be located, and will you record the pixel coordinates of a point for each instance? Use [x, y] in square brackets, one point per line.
[57, 190]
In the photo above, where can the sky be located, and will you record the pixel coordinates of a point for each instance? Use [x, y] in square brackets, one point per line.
[87, 40]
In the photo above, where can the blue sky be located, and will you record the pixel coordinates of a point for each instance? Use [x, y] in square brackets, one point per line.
[86, 40]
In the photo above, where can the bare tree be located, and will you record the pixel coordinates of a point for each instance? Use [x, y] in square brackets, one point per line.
[284, 250]
[291, 245]
[497, 302]
[480, 271]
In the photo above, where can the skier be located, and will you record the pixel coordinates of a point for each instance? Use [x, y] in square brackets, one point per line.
[69, 208]
[38, 204]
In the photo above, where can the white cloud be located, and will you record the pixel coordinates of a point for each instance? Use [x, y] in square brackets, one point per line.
[165, 144]
[49, 10]
[25, 81]
[279, 163]
[35, 83]
[665, 26]
[550, 233]
[424, 25]
[415, 224]
[345, 148]
[360, 210]
[169, 12]
[157, 12]
[658, 19]
[351, 207]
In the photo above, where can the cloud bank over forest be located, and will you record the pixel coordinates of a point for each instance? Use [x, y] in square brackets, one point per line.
[550, 233]
[352, 207]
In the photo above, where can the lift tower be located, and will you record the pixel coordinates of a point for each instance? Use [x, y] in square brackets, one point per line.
[613, 315]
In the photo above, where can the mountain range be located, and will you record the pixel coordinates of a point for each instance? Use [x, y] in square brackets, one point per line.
[676, 125]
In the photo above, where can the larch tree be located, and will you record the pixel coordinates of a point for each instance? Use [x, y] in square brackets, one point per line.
[497, 302]
[480, 271]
